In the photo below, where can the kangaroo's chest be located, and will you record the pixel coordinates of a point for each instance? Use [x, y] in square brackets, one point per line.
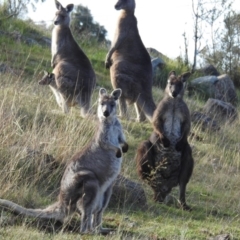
[58, 41]
[172, 124]
[112, 134]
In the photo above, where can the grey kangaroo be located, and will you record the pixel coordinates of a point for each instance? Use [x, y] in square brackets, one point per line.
[165, 160]
[86, 185]
[130, 64]
[74, 75]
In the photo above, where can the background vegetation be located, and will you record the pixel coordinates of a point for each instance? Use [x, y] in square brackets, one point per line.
[37, 140]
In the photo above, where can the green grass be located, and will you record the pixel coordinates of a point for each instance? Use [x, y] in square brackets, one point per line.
[33, 129]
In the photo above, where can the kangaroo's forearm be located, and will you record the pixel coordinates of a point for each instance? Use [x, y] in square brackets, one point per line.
[109, 146]
[116, 45]
[109, 54]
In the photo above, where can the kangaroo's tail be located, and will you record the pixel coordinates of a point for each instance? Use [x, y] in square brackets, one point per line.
[54, 211]
[144, 160]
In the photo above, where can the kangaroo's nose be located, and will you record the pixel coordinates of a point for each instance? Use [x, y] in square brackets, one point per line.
[174, 94]
[117, 6]
[55, 22]
[106, 113]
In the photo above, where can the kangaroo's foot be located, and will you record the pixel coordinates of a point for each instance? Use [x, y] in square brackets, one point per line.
[184, 206]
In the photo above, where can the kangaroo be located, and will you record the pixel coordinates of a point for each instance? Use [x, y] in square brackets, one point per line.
[74, 75]
[86, 185]
[130, 64]
[165, 160]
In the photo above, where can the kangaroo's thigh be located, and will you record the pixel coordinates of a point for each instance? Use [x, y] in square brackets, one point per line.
[130, 89]
[87, 203]
[146, 106]
[84, 102]
[123, 107]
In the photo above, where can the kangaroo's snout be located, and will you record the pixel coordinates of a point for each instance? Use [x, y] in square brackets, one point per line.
[106, 113]
[117, 6]
[174, 94]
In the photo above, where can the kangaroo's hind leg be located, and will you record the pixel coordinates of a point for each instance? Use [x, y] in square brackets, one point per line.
[140, 114]
[123, 108]
[87, 203]
[60, 100]
[144, 108]
[97, 217]
[84, 101]
[186, 172]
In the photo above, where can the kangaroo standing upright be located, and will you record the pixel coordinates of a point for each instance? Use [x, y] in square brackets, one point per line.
[74, 76]
[130, 64]
[165, 160]
[86, 186]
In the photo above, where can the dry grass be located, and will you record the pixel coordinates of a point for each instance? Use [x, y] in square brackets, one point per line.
[37, 140]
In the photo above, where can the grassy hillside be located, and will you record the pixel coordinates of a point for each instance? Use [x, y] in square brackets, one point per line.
[37, 140]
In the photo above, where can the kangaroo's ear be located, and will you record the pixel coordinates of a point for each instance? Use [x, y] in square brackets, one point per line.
[185, 76]
[102, 92]
[69, 7]
[116, 93]
[58, 5]
[172, 73]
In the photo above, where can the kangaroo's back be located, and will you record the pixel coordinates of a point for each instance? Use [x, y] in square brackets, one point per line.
[64, 46]
[127, 27]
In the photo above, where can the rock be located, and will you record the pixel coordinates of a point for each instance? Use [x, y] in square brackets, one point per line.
[157, 65]
[127, 193]
[16, 36]
[205, 121]
[220, 87]
[210, 70]
[221, 237]
[220, 111]
[30, 41]
[205, 86]
[157, 62]
[3, 68]
[225, 90]
[154, 53]
[45, 41]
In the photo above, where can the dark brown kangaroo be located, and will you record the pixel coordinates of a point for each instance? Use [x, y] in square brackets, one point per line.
[86, 186]
[130, 64]
[165, 160]
[74, 76]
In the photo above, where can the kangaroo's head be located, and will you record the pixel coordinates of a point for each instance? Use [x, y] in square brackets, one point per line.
[62, 16]
[128, 5]
[107, 103]
[175, 84]
[47, 78]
